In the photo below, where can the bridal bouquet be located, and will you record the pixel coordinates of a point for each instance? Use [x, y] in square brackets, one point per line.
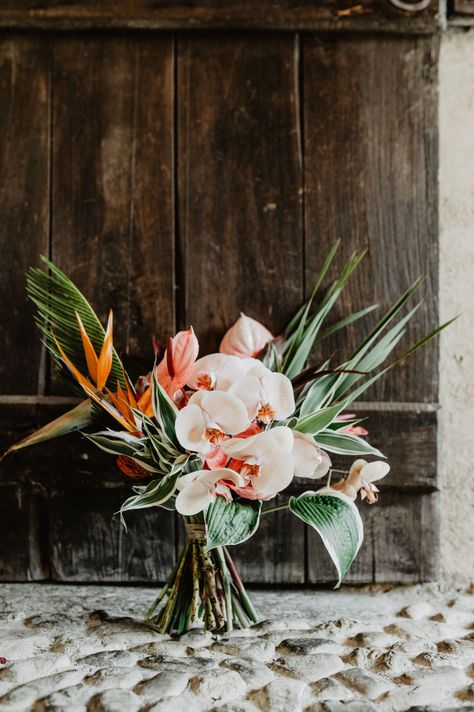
[218, 437]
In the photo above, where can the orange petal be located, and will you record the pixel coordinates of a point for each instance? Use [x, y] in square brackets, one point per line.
[84, 382]
[90, 390]
[144, 402]
[91, 356]
[105, 359]
[131, 395]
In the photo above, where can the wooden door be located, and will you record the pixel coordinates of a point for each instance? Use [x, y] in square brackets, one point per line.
[181, 178]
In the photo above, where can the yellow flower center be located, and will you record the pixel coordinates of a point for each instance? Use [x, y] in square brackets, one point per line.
[214, 435]
[248, 470]
[204, 382]
[266, 414]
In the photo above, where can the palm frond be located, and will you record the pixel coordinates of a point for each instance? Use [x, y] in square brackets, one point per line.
[57, 301]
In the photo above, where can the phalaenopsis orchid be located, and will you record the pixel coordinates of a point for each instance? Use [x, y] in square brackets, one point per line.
[219, 437]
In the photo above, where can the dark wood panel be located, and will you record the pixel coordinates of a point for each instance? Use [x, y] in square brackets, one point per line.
[371, 171]
[276, 553]
[59, 503]
[23, 551]
[239, 181]
[400, 545]
[24, 201]
[112, 205]
[335, 15]
[464, 6]
[88, 543]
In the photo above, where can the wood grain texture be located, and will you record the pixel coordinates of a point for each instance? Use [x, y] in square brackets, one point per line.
[112, 206]
[61, 498]
[333, 15]
[400, 545]
[371, 180]
[24, 202]
[97, 547]
[239, 182]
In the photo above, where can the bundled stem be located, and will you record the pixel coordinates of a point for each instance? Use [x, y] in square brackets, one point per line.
[203, 588]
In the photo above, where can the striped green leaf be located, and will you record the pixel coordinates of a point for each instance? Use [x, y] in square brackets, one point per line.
[337, 520]
[345, 444]
[229, 523]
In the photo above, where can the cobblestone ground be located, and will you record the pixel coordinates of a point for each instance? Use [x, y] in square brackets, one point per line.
[84, 648]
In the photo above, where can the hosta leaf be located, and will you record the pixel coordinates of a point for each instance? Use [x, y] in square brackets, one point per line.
[345, 444]
[229, 523]
[337, 521]
[79, 417]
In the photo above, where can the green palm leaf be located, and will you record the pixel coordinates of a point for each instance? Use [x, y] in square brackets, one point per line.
[57, 300]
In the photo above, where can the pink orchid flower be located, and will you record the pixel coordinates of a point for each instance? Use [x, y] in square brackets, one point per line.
[361, 478]
[246, 338]
[178, 362]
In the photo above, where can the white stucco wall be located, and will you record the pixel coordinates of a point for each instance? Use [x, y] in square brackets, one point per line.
[457, 297]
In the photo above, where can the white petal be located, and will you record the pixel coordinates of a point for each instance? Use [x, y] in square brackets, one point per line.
[256, 446]
[306, 455]
[225, 410]
[247, 390]
[374, 471]
[323, 467]
[190, 426]
[193, 498]
[279, 392]
[276, 472]
[213, 365]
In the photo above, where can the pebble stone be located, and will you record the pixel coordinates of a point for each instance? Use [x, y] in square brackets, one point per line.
[352, 650]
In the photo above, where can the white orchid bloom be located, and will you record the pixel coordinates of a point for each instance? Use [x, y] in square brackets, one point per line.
[267, 395]
[198, 489]
[361, 477]
[266, 457]
[207, 418]
[247, 337]
[219, 371]
[310, 461]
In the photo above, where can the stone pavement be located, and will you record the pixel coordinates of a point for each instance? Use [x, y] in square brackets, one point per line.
[84, 648]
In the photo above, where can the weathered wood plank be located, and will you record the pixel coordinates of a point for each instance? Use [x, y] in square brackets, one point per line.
[61, 498]
[24, 201]
[239, 182]
[371, 180]
[335, 15]
[23, 553]
[276, 552]
[112, 202]
[400, 543]
[88, 543]
[240, 211]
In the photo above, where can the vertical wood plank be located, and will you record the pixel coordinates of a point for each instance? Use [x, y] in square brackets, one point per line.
[240, 220]
[371, 179]
[239, 181]
[112, 180]
[24, 201]
[113, 234]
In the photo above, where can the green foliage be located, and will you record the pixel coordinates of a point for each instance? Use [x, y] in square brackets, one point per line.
[229, 523]
[57, 300]
[337, 521]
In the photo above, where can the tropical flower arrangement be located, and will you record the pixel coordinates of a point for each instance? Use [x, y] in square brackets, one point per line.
[217, 437]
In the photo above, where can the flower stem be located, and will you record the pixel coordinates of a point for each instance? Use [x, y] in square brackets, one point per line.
[277, 508]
